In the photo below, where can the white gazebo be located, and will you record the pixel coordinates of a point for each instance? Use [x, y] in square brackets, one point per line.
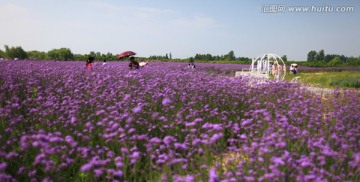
[261, 66]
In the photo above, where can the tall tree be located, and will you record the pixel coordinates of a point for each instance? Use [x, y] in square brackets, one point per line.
[197, 56]
[311, 56]
[7, 49]
[208, 57]
[320, 56]
[2, 54]
[109, 56]
[15, 52]
[284, 58]
[231, 56]
[92, 54]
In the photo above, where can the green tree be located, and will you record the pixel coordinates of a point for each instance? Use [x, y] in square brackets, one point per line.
[311, 56]
[2, 54]
[92, 53]
[353, 61]
[335, 62]
[191, 59]
[343, 58]
[170, 56]
[63, 54]
[198, 57]
[320, 56]
[231, 56]
[208, 57]
[37, 55]
[284, 58]
[110, 56]
[80, 57]
[15, 52]
[53, 54]
[217, 57]
[329, 57]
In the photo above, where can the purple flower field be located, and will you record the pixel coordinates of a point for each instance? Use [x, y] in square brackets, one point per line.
[165, 122]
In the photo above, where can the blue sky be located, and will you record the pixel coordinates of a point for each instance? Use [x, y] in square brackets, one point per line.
[182, 27]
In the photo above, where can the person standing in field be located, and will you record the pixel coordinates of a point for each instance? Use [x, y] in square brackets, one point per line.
[292, 69]
[277, 71]
[89, 62]
[295, 69]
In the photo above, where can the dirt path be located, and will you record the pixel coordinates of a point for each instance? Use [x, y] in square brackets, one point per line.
[318, 90]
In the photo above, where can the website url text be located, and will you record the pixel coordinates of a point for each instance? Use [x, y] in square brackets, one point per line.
[280, 8]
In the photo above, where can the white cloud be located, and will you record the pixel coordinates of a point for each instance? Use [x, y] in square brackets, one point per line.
[195, 22]
[147, 12]
[131, 11]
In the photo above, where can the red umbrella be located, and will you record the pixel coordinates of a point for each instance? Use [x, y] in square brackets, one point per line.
[126, 54]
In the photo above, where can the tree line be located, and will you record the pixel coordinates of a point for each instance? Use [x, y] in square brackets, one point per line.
[314, 58]
[159, 57]
[321, 59]
[63, 54]
[230, 56]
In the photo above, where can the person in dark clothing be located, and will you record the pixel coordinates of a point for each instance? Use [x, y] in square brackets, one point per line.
[133, 64]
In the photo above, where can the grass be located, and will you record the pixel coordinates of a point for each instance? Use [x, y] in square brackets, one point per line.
[343, 79]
